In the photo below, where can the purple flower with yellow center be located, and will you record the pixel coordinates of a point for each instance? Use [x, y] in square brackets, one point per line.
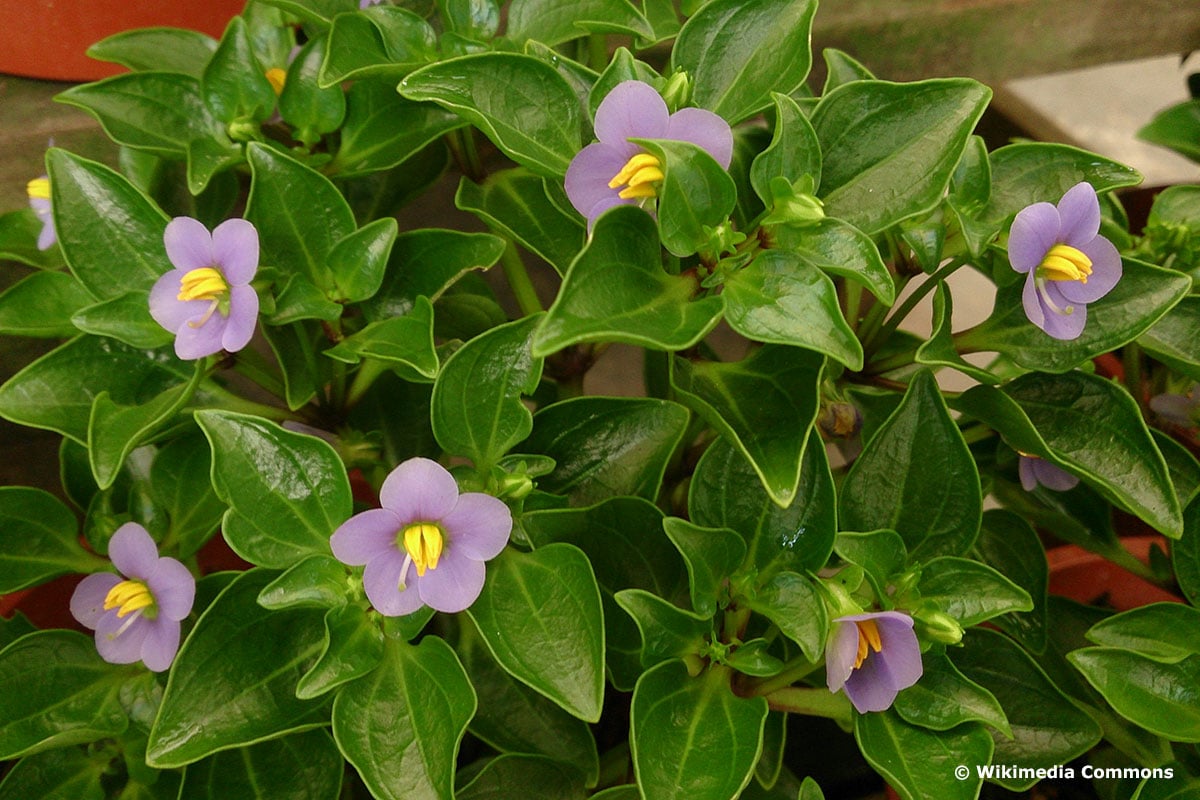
[1035, 472]
[207, 300]
[38, 190]
[1067, 262]
[136, 619]
[427, 545]
[872, 656]
[614, 171]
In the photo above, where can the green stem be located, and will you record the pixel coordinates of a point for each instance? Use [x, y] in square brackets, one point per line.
[795, 670]
[812, 702]
[368, 372]
[615, 766]
[854, 292]
[227, 401]
[598, 51]
[977, 433]
[893, 322]
[462, 148]
[1131, 359]
[519, 281]
[252, 366]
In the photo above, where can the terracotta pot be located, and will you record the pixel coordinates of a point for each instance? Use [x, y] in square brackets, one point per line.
[49, 38]
[1088, 578]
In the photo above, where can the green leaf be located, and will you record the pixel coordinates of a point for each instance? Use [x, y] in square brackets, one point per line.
[1167, 632]
[300, 299]
[477, 410]
[1011, 545]
[792, 602]
[553, 22]
[541, 617]
[520, 102]
[969, 591]
[287, 492]
[295, 236]
[737, 52]
[781, 298]
[881, 554]
[940, 349]
[42, 304]
[126, 318]
[668, 632]
[842, 68]
[358, 260]
[887, 486]
[1047, 728]
[711, 556]
[304, 104]
[401, 725]
[55, 691]
[69, 772]
[427, 262]
[1162, 698]
[1185, 554]
[39, 539]
[696, 194]
[726, 493]
[944, 699]
[616, 290]
[1168, 340]
[405, 340]
[383, 130]
[56, 392]
[170, 49]
[920, 764]
[19, 231]
[1090, 426]
[679, 722]
[605, 446]
[110, 233]
[383, 40]
[302, 765]
[1176, 128]
[1140, 299]
[794, 151]
[294, 350]
[889, 149]
[316, 582]
[525, 775]
[233, 84]
[354, 646]
[837, 247]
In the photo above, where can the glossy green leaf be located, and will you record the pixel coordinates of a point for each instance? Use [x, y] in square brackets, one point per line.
[19, 232]
[318, 581]
[383, 129]
[1091, 427]
[781, 298]
[969, 591]
[726, 493]
[42, 304]
[842, 68]
[1142, 297]
[553, 22]
[296, 237]
[1185, 554]
[401, 725]
[405, 340]
[1171, 338]
[385, 41]
[525, 775]
[1047, 728]
[943, 699]
[616, 290]
[889, 149]
[354, 646]
[837, 247]
[521, 103]
[287, 491]
[793, 153]
[126, 318]
[311, 109]
[678, 722]
[110, 233]
[541, 617]
[55, 690]
[477, 410]
[696, 194]
[358, 261]
[1162, 698]
[69, 772]
[1011, 545]
[940, 349]
[479, 19]
[171, 49]
[234, 85]
[881, 554]
[39, 539]
[302, 765]
[737, 52]
[513, 718]
[765, 404]
[1167, 632]
[225, 689]
[56, 392]
[792, 602]
[294, 350]
[605, 446]
[317, 12]
[711, 556]
[427, 262]
[920, 764]
[888, 487]
[1175, 128]
[668, 632]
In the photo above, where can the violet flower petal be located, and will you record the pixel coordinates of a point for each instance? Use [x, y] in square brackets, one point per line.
[705, 129]
[419, 490]
[840, 654]
[1034, 231]
[1106, 272]
[1052, 476]
[117, 646]
[902, 649]
[478, 527]
[189, 244]
[381, 581]
[1079, 215]
[160, 644]
[366, 536]
[243, 314]
[87, 602]
[166, 307]
[454, 585]
[1066, 326]
[235, 250]
[1174, 408]
[192, 342]
[1029, 480]
[872, 687]
[586, 182]
[1032, 302]
[133, 552]
[632, 110]
[173, 588]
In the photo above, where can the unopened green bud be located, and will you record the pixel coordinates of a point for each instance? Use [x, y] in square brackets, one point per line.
[243, 130]
[937, 626]
[678, 90]
[840, 420]
[792, 204]
[515, 487]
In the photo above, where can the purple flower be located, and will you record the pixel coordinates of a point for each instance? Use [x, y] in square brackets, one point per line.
[1178, 409]
[1036, 472]
[1068, 263]
[38, 190]
[428, 543]
[615, 171]
[207, 300]
[136, 619]
[367, 3]
[872, 656]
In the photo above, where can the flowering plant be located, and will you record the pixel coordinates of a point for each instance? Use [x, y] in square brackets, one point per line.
[476, 567]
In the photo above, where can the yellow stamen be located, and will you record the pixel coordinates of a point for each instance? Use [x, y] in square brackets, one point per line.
[424, 544]
[127, 597]
[639, 175]
[38, 189]
[205, 283]
[1066, 263]
[868, 639]
[277, 77]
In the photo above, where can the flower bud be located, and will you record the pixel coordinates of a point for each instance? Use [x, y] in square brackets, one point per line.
[678, 90]
[937, 626]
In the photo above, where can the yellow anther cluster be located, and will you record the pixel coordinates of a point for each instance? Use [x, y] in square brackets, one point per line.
[205, 283]
[868, 637]
[127, 597]
[38, 189]
[424, 544]
[277, 77]
[1066, 263]
[638, 176]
